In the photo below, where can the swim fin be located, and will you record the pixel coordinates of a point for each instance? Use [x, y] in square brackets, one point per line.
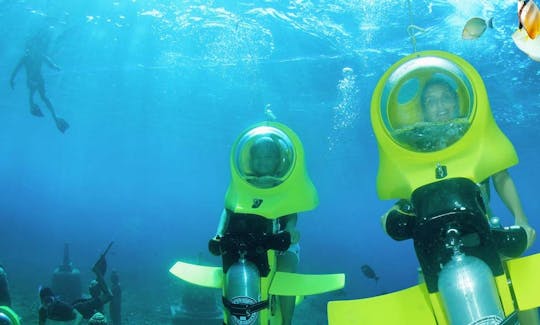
[61, 124]
[34, 109]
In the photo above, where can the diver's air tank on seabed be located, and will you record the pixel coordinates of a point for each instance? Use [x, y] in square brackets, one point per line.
[468, 289]
[242, 286]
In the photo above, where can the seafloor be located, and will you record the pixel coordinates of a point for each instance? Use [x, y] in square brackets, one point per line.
[149, 300]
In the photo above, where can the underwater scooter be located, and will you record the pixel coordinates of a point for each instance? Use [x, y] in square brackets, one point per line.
[465, 280]
[245, 262]
[254, 203]
[459, 252]
[251, 286]
[437, 167]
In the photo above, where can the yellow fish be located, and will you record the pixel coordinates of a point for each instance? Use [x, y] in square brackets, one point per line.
[529, 46]
[475, 27]
[529, 17]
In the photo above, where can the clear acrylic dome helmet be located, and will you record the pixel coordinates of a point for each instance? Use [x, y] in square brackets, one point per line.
[401, 102]
[269, 177]
[412, 150]
[264, 157]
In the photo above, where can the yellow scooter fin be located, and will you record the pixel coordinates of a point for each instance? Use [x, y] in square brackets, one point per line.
[204, 276]
[294, 284]
[408, 306]
[523, 272]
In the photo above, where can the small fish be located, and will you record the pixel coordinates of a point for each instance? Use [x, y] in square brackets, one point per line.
[529, 46]
[369, 273]
[475, 27]
[529, 17]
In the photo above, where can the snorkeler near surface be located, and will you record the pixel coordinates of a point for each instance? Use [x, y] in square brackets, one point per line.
[32, 60]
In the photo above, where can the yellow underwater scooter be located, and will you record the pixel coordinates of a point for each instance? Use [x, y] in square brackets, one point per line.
[436, 167]
[251, 286]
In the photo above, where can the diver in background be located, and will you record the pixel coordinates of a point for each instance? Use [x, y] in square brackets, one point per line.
[265, 159]
[115, 306]
[5, 297]
[54, 309]
[99, 292]
[99, 296]
[32, 60]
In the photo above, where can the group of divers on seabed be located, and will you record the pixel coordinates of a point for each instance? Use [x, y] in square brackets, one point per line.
[439, 150]
[64, 302]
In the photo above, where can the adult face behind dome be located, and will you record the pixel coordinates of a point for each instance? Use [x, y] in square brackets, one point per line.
[439, 101]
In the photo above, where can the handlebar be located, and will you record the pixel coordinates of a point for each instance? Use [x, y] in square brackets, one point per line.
[510, 241]
[249, 241]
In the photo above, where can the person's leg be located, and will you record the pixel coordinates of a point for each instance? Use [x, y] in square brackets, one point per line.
[287, 262]
[34, 109]
[61, 124]
[46, 100]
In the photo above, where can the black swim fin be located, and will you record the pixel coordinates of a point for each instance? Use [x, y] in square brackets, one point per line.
[61, 124]
[34, 109]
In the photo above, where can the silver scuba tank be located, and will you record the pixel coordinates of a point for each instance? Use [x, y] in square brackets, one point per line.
[468, 291]
[242, 286]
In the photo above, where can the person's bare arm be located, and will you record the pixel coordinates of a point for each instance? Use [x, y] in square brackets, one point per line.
[50, 63]
[505, 187]
[290, 226]
[15, 71]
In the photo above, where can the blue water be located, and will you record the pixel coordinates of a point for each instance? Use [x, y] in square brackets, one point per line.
[156, 93]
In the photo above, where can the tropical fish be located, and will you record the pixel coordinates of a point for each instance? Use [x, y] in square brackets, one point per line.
[529, 46]
[475, 27]
[369, 273]
[529, 17]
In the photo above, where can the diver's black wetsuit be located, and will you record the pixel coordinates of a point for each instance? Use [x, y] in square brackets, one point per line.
[88, 307]
[57, 311]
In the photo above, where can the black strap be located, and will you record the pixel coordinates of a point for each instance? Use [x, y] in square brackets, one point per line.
[245, 310]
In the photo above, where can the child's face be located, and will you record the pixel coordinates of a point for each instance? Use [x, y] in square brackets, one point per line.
[264, 159]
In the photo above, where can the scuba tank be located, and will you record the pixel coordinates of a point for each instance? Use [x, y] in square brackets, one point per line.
[468, 289]
[242, 293]
[66, 280]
